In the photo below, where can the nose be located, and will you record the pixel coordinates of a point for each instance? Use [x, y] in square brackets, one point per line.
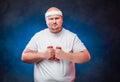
[54, 20]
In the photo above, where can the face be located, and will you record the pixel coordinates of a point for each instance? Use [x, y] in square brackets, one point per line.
[54, 23]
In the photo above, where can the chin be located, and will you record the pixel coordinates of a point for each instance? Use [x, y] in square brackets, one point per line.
[55, 31]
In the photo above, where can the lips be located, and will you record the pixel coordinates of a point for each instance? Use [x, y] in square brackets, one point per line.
[54, 27]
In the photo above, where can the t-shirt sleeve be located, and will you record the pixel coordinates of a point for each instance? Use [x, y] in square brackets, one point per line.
[32, 43]
[78, 45]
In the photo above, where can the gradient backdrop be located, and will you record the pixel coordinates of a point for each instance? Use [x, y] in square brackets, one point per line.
[96, 22]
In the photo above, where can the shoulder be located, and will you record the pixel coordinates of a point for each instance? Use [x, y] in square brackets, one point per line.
[68, 32]
[40, 33]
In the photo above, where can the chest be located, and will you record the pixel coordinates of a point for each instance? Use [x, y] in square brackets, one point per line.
[64, 41]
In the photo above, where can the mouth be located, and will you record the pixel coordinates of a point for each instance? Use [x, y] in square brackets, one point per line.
[54, 27]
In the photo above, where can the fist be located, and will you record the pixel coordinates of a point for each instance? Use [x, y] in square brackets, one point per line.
[59, 53]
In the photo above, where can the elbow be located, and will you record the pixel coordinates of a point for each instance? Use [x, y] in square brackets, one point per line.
[84, 59]
[88, 58]
[24, 58]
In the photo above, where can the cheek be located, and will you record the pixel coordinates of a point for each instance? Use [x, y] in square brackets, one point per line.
[60, 23]
[48, 23]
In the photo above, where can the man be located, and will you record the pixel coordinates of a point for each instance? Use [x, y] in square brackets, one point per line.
[54, 51]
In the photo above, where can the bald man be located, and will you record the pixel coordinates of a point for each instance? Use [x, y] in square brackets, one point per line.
[55, 50]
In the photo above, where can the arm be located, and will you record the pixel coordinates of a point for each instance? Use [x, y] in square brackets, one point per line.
[30, 56]
[79, 57]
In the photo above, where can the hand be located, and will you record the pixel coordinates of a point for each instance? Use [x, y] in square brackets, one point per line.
[49, 54]
[59, 53]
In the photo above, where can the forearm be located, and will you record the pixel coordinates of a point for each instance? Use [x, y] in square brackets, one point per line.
[80, 57]
[30, 56]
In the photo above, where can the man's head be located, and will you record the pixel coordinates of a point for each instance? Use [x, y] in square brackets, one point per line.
[54, 19]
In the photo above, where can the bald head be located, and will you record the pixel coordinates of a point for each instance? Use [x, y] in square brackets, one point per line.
[53, 11]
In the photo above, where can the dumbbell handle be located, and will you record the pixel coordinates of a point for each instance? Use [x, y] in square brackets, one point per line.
[50, 47]
[58, 47]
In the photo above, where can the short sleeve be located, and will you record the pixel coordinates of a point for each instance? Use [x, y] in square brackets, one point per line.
[78, 45]
[32, 43]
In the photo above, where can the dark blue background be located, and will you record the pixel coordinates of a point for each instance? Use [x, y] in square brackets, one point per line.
[96, 22]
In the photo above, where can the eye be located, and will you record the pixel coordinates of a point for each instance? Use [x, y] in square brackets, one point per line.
[57, 18]
[50, 18]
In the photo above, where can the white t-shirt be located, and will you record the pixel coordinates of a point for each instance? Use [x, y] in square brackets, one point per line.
[55, 71]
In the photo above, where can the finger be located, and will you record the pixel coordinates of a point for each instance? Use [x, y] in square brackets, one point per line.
[52, 56]
[58, 47]
[56, 59]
